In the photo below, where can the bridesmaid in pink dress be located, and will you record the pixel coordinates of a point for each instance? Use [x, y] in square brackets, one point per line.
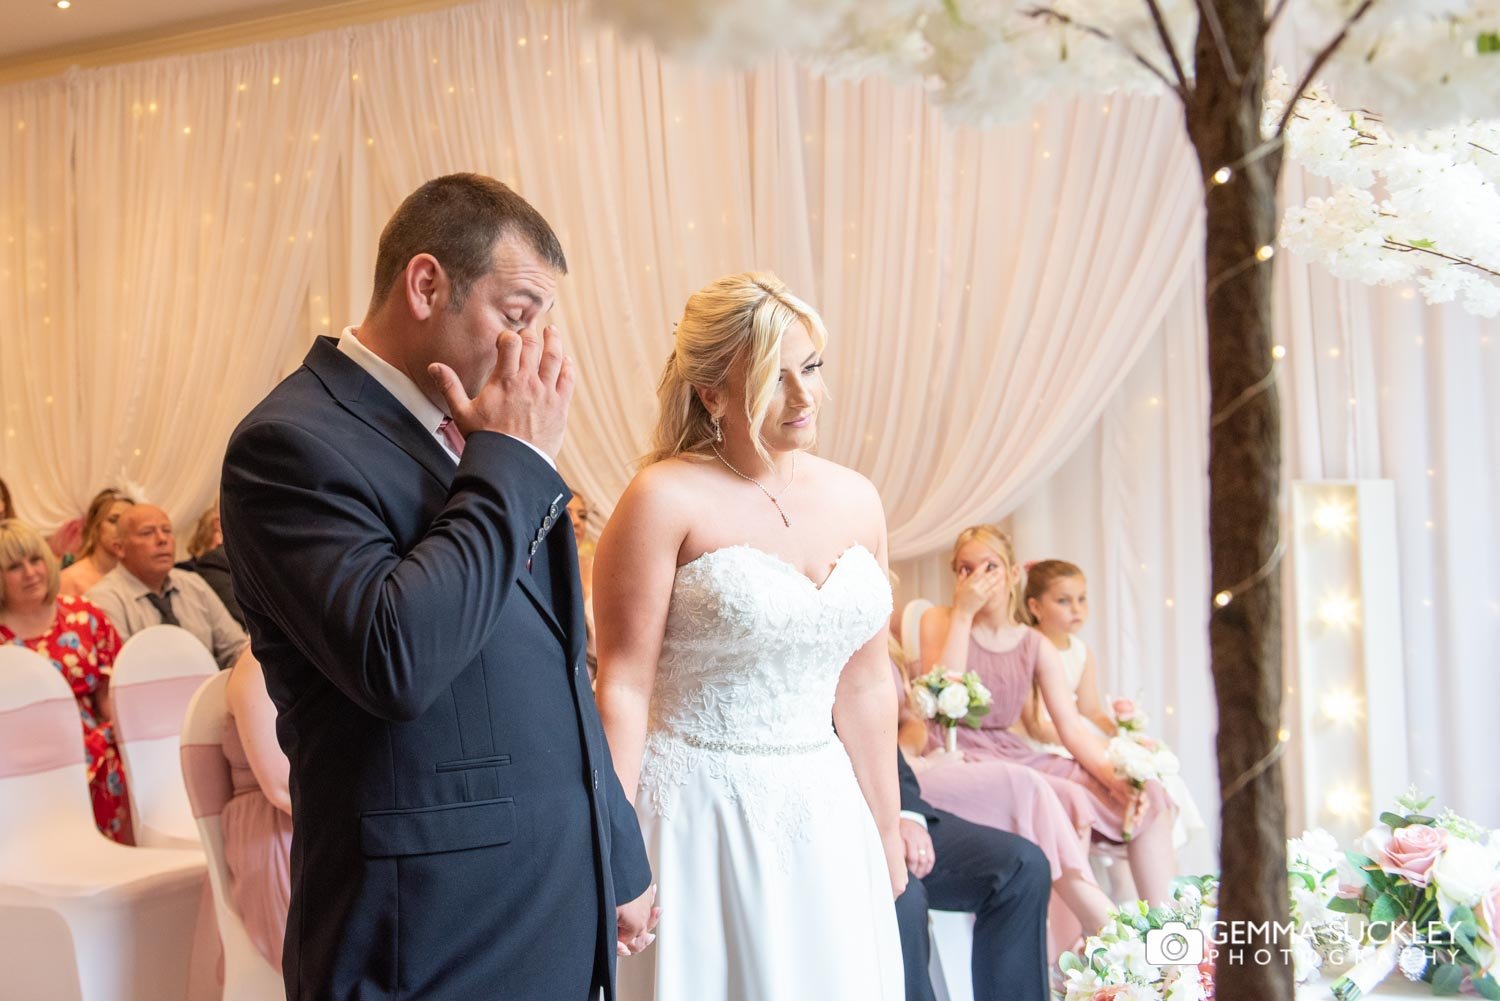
[258, 819]
[981, 632]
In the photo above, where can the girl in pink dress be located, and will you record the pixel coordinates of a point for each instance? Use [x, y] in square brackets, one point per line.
[258, 819]
[982, 632]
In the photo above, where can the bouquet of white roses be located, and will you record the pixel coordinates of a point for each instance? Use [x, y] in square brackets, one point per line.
[950, 699]
[1135, 755]
[1429, 890]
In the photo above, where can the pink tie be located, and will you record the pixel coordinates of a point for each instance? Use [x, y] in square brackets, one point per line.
[452, 436]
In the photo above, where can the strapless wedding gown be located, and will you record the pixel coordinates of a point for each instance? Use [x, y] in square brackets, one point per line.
[771, 877]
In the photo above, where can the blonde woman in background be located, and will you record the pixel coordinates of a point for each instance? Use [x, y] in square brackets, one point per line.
[95, 557]
[742, 603]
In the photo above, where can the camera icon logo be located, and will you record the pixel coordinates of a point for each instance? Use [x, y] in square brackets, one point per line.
[1174, 944]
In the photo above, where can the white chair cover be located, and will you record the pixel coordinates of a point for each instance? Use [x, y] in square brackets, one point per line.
[156, 673]
[81, 917]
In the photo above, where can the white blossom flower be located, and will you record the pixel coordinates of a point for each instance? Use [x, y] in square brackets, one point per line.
[1466, 872]
[924, 702]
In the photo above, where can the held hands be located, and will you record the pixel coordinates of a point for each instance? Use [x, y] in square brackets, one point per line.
[526, 395]
[920, 856]
[972, 592]
[635, 924]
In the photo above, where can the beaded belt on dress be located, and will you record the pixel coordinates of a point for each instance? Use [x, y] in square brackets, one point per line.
[747, 747]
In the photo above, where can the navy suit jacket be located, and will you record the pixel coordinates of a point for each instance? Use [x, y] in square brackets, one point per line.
[459, 831]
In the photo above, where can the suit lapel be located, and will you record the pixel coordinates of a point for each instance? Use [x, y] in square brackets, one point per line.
[368, 400]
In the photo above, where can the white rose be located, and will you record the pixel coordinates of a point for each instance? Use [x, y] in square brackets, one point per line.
[1131, 759]
[924, 702]
[1464, 873]
[982, 695]
[954, 702]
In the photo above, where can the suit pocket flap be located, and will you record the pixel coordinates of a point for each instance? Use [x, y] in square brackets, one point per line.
[431, 829]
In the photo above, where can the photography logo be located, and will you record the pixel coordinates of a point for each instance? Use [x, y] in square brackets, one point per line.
[1174, 944]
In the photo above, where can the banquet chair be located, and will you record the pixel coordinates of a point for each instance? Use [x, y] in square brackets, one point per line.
[205, 771]
[911, 630]
[156, 673]
[81, 917]
[951, 969]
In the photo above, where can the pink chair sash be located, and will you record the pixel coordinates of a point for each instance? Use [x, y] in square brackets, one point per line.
[205, 772]
[154, 709]
[40, 737]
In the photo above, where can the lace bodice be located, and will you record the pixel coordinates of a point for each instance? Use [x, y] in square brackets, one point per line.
[751, 658]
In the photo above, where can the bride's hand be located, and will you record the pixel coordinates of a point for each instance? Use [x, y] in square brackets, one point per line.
[895, 861]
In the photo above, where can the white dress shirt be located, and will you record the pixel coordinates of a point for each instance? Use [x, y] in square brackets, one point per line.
[408, 393]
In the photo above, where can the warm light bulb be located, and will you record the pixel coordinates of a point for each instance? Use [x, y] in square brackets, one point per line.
[1222, 175]
[1265, 253]
[1342, 706]
[1223, 598]
[1283, 735]
[1278, 351]
[1339, 611]
[64, 4]
[1334, 517]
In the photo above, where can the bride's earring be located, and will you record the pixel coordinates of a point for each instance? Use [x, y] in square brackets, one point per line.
[718, 431]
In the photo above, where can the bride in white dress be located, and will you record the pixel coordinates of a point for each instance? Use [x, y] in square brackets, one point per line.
[741, 601]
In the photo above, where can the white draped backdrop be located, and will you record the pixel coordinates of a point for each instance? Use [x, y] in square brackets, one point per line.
[1015, 314]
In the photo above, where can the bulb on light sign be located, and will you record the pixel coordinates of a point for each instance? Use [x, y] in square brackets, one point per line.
[1342, 706]
[1334, 517]
[1339, 611]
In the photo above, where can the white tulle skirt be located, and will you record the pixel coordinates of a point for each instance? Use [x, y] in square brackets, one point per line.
[771, 880]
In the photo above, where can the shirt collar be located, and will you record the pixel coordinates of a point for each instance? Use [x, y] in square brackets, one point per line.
[136, 587]
[393, 379]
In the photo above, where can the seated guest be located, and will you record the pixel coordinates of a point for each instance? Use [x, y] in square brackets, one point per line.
[206, 549]
[1001, 878]
[146, 590]
[96, 556]
[80, 642]
[258, 819]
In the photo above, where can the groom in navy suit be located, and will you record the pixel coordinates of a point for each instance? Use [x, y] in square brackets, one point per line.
[397, 532]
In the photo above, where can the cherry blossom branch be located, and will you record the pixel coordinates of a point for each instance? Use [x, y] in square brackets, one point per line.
[1047, 13]
[1319, 61]
[1166, 43]
[1404, 247]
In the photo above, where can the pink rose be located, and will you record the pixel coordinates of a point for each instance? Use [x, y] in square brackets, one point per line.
[1110, 993]
[1412, 852]
[1124, 708]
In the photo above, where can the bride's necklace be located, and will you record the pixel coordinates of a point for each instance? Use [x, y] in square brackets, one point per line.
[769, 496]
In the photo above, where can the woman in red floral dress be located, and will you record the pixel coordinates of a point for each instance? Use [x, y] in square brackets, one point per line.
[81, 644]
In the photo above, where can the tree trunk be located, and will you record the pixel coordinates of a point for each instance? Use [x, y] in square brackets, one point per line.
[1244, 472]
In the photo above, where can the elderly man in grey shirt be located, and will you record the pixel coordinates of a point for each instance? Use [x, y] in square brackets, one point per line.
[144, 590]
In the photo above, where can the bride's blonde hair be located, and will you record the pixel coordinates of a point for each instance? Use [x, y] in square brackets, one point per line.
[730, 324]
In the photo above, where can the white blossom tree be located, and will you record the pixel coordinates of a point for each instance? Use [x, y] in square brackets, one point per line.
[1429, 67]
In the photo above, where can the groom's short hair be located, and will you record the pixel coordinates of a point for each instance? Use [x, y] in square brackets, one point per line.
[458, 219]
